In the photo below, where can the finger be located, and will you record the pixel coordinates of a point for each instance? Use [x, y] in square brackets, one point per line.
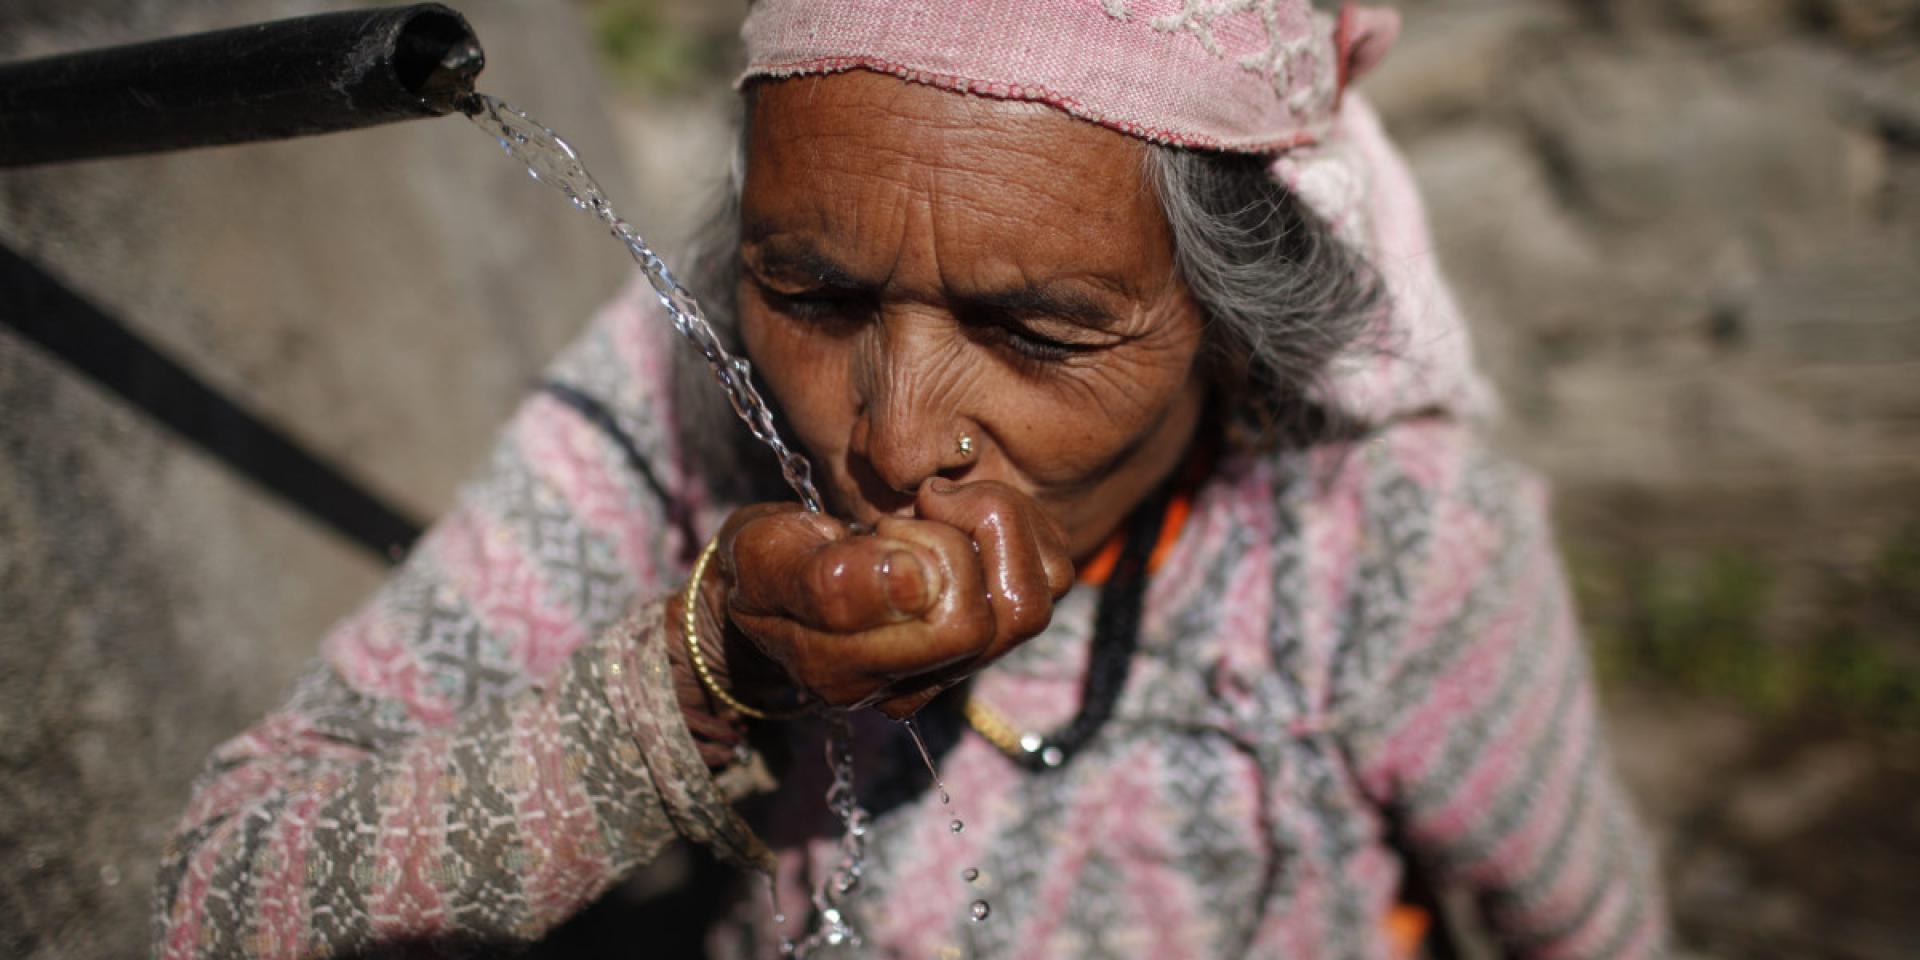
[965, 505]
[853, 670]
[904, 706]
[860, 584]
[961, 618]
[790, 516]
[1055, 556]
[1006, 526]
[860, 665]
[762, 547]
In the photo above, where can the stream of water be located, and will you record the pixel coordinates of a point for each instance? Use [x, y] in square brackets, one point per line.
[550, 159]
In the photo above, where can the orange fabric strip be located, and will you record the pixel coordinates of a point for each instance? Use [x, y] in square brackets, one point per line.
[1406, 930]
[1096, 571]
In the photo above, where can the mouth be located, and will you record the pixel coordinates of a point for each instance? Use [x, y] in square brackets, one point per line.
[866, 497]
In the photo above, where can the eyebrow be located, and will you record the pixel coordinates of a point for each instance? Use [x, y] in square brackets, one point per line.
[801, 258]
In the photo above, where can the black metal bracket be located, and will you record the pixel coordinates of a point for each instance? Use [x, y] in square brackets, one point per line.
[93, 342]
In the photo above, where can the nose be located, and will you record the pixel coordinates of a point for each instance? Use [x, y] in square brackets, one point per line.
[913, 385]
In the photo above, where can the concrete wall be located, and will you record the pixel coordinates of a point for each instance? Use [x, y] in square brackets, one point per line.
[384, 295]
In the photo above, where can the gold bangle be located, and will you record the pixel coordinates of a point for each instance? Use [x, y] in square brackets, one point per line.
[690, 632]
[989, 723]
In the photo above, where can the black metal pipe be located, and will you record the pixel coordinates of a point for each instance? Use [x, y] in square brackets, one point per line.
[267, 81]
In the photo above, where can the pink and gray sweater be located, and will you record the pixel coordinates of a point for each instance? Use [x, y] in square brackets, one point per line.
[1344, 644]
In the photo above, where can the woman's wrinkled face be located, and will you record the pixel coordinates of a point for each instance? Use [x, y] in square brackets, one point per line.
[921, 265]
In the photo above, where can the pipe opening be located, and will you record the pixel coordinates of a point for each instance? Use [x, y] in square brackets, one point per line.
[436, 56]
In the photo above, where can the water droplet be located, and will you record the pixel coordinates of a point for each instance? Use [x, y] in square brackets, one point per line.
[1030, 742]
[969, 874]
[980, 910]
[1052, 756]
[956, 826]
[944, 799]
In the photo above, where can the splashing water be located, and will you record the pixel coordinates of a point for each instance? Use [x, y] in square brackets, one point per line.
[829, 901]
[550, 159]
[779, 916]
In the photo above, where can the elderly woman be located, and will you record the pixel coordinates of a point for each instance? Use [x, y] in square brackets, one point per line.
[1147, 434]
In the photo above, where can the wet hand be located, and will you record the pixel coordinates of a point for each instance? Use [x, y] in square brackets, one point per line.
[891, 617]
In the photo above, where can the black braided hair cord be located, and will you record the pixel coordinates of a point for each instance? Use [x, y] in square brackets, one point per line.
[1116, 635]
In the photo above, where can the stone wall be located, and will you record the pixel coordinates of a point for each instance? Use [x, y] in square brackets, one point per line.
[383, 295]
[1687, 234]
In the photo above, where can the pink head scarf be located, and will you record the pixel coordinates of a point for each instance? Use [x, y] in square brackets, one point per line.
[1250, 76]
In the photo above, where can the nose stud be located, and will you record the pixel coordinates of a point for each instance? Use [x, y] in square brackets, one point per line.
[965, 446]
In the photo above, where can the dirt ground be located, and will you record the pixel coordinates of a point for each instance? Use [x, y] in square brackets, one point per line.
[1779, 840]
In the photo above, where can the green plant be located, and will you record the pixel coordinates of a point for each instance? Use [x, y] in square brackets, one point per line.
[1705, 623]
[647, 49]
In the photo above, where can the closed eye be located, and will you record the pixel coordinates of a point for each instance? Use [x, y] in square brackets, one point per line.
[1042, 340]
[828, 307]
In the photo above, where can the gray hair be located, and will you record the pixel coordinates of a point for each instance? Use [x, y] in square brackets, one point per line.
[1281, 296]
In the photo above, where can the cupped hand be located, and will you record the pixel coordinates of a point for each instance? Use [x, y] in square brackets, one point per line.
[891, 617]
